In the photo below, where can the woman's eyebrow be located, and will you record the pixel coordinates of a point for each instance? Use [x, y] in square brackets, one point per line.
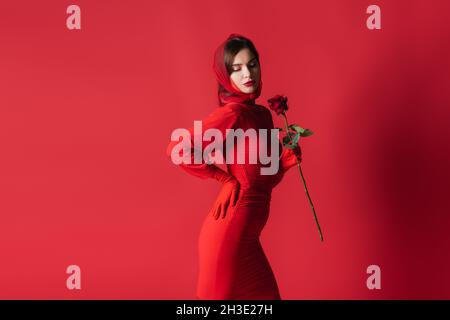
[238, 64]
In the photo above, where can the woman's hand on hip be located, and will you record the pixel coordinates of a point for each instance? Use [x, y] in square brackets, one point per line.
[228, 196]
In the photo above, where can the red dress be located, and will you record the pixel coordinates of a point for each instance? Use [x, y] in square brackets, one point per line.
[232, 263]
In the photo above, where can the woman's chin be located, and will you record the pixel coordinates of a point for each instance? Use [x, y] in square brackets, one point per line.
[249, 90]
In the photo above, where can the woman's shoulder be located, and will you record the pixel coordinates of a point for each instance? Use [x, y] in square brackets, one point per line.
[238, 110]
[229, 109]
[264, 110]
[227, 112]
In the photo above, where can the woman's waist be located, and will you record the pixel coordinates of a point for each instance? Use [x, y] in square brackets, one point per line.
[257, 183]
[255, 194]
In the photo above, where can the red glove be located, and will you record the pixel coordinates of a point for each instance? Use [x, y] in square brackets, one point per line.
[227, 197]
[289, 157]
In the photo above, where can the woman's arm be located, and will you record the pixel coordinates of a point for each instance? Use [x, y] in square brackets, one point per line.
[222, 118]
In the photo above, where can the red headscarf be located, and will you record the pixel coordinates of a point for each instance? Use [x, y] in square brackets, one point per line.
[223, 78]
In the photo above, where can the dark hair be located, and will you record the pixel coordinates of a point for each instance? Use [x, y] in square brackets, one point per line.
[231, 49]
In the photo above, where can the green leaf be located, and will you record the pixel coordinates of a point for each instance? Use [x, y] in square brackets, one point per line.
[303, 132]
[291, 143]
[296, 128]
[307, 133]
[295, 139]
[290, 146]
[291, 134]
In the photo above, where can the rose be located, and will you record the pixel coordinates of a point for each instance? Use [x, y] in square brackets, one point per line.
[278, 104]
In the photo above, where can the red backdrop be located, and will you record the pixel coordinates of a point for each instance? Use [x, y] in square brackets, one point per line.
[86, 116]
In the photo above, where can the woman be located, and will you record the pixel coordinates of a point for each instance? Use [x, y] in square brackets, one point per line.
[232, 263]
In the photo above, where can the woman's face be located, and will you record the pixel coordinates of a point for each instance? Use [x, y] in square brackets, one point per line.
[245, 68]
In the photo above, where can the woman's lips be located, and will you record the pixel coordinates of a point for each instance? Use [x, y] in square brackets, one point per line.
[249, 84]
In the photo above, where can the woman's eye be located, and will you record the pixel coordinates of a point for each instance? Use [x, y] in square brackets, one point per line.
[253, 65]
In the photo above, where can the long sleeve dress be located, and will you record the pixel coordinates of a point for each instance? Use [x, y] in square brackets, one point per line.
[232, 262]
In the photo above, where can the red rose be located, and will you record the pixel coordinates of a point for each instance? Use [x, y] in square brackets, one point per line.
[291, 140]
[278, 104]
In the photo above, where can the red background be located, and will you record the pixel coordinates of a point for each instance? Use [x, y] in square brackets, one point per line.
[86, 116]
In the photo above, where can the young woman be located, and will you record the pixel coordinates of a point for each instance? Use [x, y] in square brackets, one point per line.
[232, 263]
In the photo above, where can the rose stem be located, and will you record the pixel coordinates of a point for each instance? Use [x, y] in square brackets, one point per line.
[303, 180]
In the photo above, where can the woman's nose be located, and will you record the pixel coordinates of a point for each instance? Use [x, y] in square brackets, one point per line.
[245, 72]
